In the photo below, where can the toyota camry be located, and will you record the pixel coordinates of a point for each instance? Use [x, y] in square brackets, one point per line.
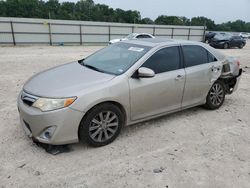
[90, 100]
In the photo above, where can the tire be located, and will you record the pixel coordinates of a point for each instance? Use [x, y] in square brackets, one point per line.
[215, 96]
[226, 46]
[241, 45]
[101, 125]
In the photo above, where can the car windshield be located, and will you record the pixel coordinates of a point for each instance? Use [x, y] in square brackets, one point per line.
[116, 58]
[131, 36]
[224, 36]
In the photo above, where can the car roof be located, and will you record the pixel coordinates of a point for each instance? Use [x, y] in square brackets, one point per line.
[141, 33]
[153, 42]
[158, 42]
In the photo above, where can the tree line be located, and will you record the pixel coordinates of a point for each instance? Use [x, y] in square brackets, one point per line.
[87, 10]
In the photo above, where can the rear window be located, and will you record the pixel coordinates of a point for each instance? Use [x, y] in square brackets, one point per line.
[194, 55]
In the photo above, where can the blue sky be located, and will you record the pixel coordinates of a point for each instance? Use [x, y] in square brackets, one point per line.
[217, 10]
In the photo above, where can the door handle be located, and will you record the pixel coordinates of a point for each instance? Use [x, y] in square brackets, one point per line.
[179, 77]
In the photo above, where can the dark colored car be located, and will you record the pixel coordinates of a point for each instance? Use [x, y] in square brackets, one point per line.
[209, 36]
[227, 41]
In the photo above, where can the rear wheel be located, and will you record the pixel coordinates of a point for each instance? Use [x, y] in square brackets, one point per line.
[241, 45]
[215, 96]
[226, 46]
[101, 125]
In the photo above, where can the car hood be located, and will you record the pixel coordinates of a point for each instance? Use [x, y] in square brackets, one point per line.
[64, 81]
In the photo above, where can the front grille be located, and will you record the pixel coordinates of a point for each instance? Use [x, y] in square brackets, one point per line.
[28, 99]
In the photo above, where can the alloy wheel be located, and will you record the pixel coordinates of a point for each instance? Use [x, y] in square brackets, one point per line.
[216, 94]
[103, 126]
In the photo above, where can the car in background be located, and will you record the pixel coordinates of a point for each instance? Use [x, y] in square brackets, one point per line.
[209, 36]
[227, 40]
[122, 84]
[132, 36]
[245, 35]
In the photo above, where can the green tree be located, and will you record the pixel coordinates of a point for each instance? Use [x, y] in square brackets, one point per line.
[169, 20]
[67, 11]
[198, 21]
[2, 8]
[146, 21]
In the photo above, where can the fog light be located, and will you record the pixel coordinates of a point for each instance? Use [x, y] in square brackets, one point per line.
[48, 133]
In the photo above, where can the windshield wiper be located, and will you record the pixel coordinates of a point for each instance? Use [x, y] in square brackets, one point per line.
[91, 67]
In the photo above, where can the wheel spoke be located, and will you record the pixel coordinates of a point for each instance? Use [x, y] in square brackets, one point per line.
[101, 116]
[111, 130]
[95, 133]
[95, 121]
[112, 124]
[107, 116]
[106, 134]
[219, 92]
[94, 127]
[213, 100]
[219, 99]
[112, 118]
[100, 136]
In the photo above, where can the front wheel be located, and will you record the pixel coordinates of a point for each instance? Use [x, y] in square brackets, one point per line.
[101, 125]
[215, 96]
[241, 45]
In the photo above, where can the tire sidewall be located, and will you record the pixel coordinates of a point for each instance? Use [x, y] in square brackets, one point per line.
[83, 132]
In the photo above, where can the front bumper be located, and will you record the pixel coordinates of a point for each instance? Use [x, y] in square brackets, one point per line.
[34, 122]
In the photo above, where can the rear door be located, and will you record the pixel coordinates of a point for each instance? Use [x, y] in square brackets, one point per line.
[161, 93]
[202, 69]
[233, 41]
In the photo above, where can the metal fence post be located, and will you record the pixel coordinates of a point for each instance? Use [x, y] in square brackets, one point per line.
[133, 29]
[154, 30]
[172, 34]
[80, 34]
[13, 34]
[204, 33]
[189, 33]
[109, 33]
[50, 35]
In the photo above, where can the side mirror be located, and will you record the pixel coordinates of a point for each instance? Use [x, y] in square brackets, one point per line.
[144, 72]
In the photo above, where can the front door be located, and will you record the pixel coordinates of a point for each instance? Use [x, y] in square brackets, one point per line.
[161, 93]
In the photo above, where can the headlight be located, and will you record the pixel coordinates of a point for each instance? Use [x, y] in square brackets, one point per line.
[47, 104]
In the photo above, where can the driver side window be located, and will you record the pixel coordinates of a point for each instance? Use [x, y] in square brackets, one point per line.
[164, 60]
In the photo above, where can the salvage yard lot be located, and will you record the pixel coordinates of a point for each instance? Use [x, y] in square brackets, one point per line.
[192, 148]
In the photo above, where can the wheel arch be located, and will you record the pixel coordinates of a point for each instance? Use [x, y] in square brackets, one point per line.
[119, 105]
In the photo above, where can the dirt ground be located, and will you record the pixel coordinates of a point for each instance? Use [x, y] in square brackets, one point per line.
[192, 148]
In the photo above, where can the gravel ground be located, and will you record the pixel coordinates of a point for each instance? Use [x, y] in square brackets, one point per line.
[192, 148]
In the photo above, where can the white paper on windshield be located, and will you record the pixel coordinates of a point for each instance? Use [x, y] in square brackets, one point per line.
[136, 49]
